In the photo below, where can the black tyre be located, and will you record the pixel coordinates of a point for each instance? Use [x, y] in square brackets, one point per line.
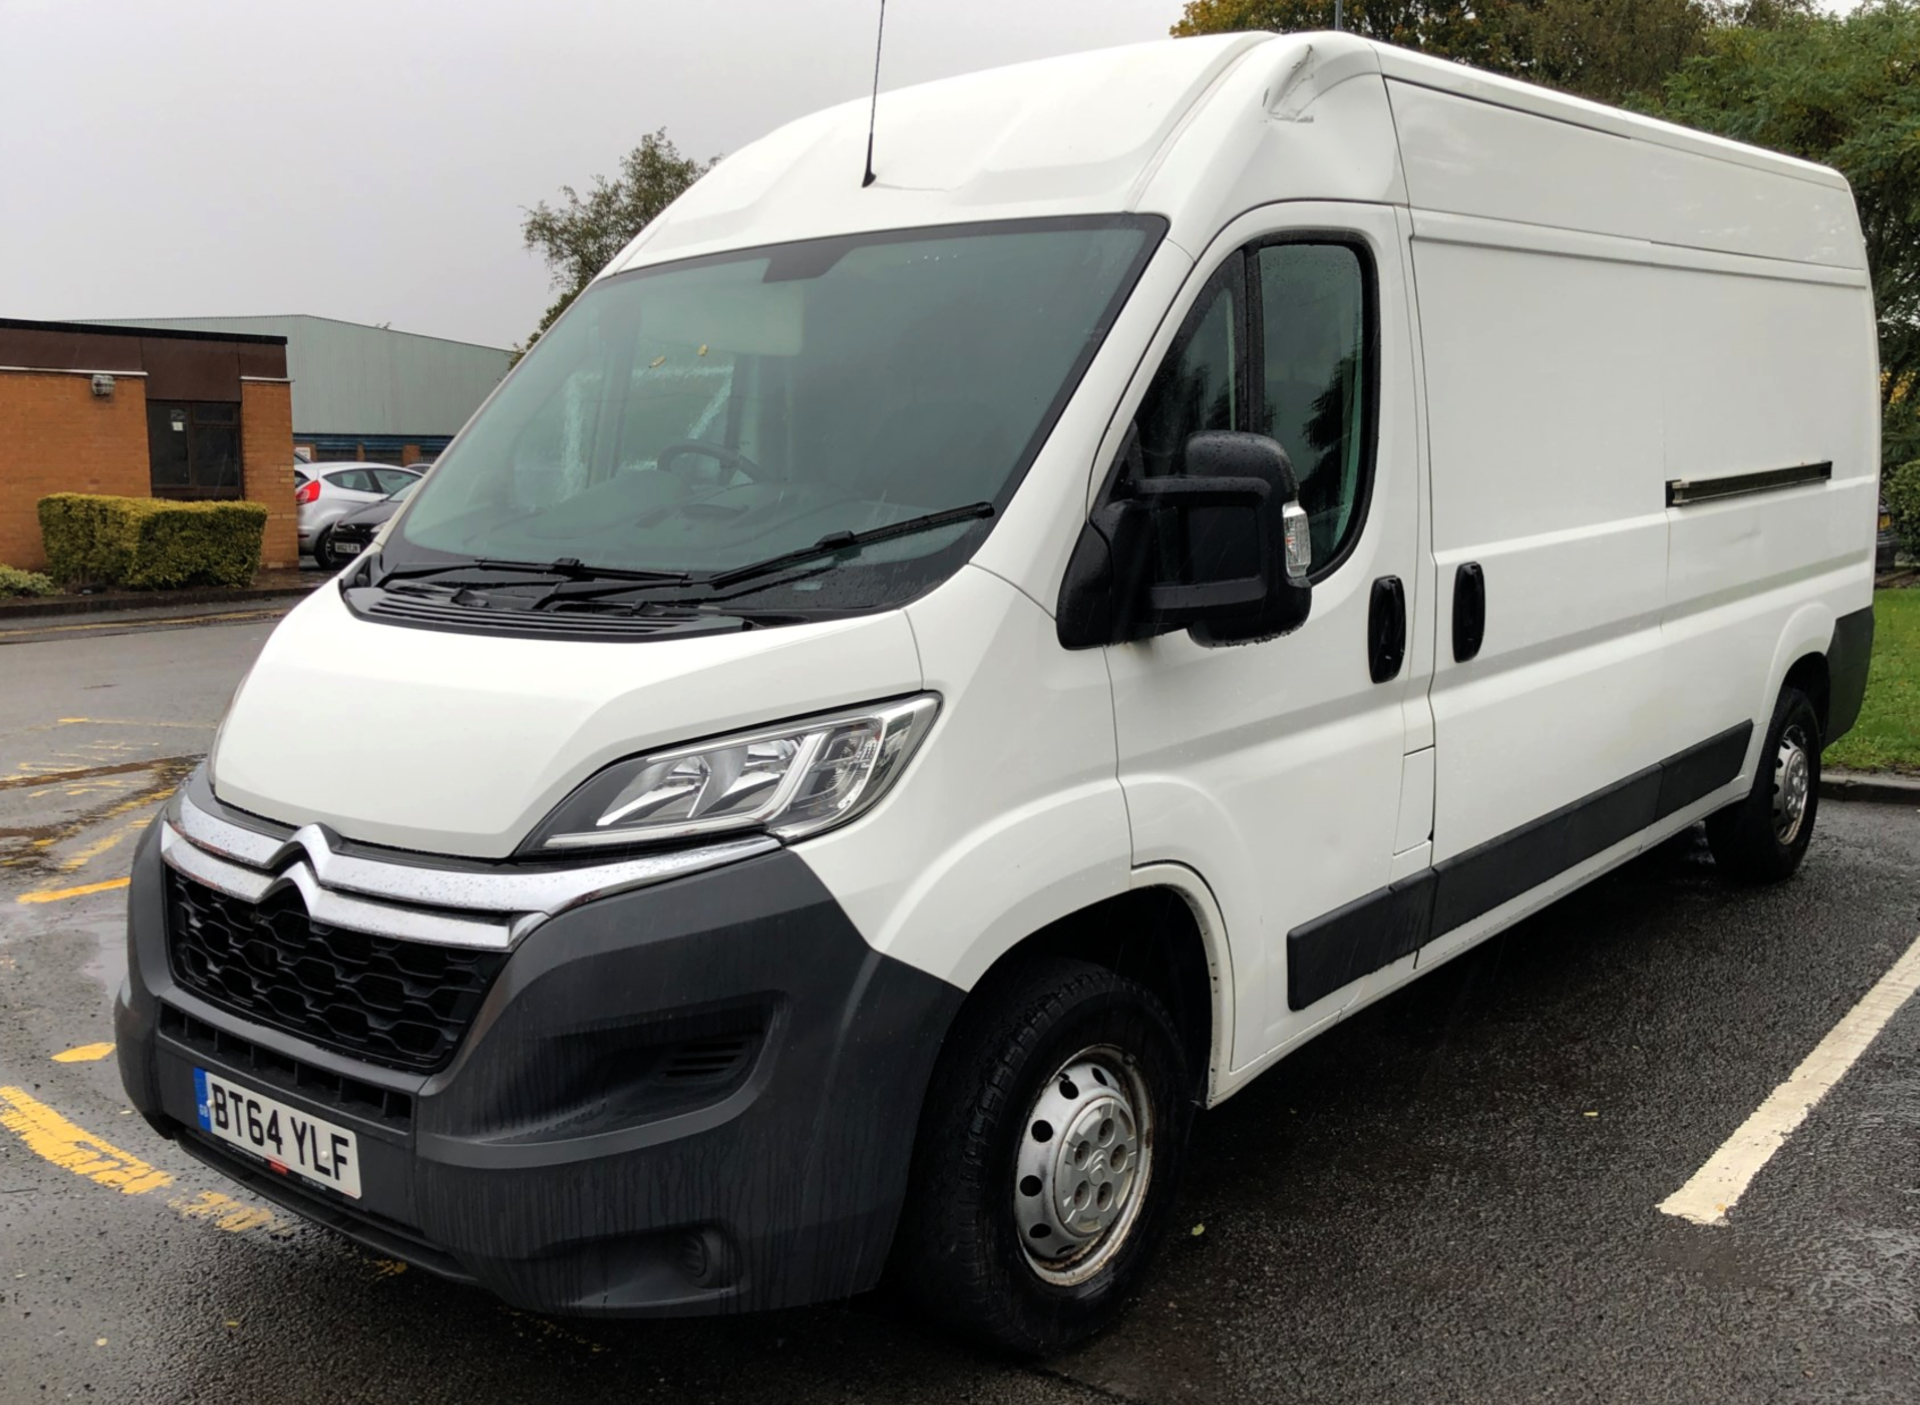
[1047, 1158]
[1762, 838]
[324, 556]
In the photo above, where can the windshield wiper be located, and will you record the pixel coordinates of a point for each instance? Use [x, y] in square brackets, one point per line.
[838, 543]
[569, 568]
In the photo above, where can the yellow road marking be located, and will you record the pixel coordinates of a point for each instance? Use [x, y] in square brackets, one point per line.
[94, 850]
[84, 1054]
[224, 1212]
[54, 895]
[133, 626]
[52, 1138]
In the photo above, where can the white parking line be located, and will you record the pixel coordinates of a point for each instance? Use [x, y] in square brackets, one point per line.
[1717, 1186]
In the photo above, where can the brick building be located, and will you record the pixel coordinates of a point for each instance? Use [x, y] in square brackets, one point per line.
[363, 392]
[142, 412]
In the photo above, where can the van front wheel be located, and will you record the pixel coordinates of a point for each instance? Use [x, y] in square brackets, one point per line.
[1046, 1160]
[1762, 838]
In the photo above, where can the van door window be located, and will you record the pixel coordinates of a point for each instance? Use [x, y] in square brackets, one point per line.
[1202, 383]
[1313, 315]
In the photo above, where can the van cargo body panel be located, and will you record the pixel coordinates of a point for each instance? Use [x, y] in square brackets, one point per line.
[447, 767]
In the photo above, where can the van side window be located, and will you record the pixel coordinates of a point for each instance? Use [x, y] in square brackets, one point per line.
[1201, 385]
[1313, 316]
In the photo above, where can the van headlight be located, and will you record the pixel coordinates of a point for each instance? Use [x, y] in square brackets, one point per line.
[790, 781]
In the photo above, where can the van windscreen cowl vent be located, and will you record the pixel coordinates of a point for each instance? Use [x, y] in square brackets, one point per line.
[464, 615]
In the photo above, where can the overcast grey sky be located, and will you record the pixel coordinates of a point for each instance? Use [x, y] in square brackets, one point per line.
[370, 160]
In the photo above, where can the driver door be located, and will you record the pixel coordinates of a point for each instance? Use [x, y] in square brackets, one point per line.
[1280, 771]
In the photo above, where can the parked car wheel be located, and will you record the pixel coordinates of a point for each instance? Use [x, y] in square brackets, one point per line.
[324, 556]
[1762, 838]
[1047, 1158]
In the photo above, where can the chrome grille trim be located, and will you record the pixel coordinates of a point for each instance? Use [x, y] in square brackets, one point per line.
[408, 901]
[332, 908]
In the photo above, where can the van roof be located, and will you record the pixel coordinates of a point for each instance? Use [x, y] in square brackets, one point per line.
[1080, 134]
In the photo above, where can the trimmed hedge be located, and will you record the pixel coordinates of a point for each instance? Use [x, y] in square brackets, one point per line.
[150, 543]
[1901, 486]
[14, 581]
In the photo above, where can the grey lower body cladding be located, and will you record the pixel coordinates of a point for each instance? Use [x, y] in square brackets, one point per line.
[1397, 920]
[692, 1098]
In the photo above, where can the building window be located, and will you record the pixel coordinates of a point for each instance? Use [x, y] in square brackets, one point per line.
[193, 448]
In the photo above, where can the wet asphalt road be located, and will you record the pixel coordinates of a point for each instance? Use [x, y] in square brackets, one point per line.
[1417, 1207]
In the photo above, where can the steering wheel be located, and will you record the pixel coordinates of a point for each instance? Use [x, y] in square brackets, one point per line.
[720, 453]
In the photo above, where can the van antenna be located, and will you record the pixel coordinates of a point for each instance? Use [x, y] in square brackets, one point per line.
[874, 110]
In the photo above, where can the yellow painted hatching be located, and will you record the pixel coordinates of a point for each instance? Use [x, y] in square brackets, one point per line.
[53, 1139]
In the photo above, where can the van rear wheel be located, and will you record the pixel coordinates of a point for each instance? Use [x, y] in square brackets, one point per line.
[1046, 1160]
[1762, 838]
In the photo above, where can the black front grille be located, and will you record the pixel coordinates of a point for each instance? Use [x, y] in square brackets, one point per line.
[399, 1003]
[295, 1076]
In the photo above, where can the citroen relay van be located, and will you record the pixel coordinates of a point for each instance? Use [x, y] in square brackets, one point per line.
[914, 689]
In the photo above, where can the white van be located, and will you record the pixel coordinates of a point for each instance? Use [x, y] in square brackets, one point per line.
[914, 688]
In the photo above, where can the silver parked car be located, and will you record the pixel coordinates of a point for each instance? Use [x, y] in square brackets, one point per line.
[327, 492]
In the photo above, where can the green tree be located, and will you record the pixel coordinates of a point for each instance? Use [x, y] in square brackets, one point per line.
[1843, 91]
[580, 237]
[1479, 34]
[1607, 50]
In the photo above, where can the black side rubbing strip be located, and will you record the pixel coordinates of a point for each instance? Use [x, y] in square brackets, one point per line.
[1376, 930]
[1361, 937]
[1504, 867]
[1681, 491]
[1702, 769]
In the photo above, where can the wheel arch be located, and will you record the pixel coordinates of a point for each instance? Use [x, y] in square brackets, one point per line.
[1810, 674]
[1799, 660]
[1164, 931]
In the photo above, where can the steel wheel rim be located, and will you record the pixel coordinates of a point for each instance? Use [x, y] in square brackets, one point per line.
[1084, 1161]
[1792, 785]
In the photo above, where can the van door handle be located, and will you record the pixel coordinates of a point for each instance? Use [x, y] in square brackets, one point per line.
[1386, 628]
[1469, 610]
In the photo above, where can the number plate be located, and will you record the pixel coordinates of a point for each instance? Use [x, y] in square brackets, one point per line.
[287, 1140]
[346, 548]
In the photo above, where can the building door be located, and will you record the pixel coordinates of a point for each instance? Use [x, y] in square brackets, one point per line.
[193, 448]
[1274, 770]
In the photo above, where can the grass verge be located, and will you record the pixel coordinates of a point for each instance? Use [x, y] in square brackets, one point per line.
[1887, 736]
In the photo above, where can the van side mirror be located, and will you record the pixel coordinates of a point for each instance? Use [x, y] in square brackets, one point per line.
[1221, 550]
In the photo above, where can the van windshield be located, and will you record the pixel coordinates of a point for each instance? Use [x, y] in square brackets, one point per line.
[702, 417]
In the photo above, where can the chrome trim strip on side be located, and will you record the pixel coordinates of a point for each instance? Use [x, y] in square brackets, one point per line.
[1682, 491]
[246, 864]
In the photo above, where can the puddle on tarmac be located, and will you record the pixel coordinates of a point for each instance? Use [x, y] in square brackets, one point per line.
[1871, 1271]
[50, 833]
